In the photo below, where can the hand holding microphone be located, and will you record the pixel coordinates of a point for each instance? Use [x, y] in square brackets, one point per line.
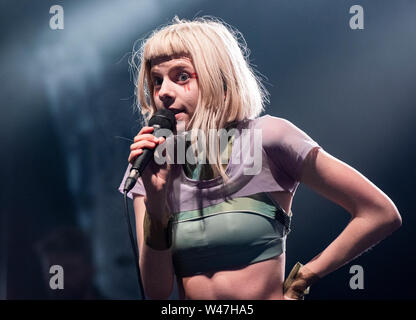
[155, 177]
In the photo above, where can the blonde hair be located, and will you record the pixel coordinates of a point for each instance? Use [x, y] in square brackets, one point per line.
[219, 54]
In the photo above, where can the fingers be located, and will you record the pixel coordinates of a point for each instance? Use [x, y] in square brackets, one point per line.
[146, 130]
[134, 154]
[143, 140]
[145, 143]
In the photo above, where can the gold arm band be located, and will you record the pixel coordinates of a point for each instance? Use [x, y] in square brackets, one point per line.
[298, 283]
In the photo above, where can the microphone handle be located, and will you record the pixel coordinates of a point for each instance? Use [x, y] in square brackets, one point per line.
[140, 164]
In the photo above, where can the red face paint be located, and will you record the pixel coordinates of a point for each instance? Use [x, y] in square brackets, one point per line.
[187, 87]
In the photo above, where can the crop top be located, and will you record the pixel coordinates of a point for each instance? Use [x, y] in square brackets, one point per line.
[218, 226]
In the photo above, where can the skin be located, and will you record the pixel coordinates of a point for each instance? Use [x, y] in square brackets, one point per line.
[373, 215]
[175, 88]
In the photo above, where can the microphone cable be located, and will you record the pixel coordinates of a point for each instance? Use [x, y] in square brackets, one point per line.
[133, 246]
[162, 119]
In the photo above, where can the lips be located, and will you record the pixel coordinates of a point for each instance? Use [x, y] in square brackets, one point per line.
[179, 115]
[176, 111]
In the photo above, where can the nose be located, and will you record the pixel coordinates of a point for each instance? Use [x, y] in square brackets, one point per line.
[167, 93]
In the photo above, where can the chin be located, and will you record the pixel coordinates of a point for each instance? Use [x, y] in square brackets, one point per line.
[181, 125]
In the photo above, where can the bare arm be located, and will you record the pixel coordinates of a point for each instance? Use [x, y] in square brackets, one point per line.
[374, 215]
[155, 265]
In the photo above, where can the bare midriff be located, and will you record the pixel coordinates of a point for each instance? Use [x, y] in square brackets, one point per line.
[259, 281]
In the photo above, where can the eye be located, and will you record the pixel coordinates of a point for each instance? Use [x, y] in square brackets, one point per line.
[183, 76]
[157, 81]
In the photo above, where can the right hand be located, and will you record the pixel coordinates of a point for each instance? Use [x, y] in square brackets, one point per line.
[155, 177]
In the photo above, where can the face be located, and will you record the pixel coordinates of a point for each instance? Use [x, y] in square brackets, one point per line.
[175, 87]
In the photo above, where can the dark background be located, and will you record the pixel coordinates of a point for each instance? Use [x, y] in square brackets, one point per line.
[67, 95]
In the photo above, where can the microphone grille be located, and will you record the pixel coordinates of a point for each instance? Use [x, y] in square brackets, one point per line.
[165, 118]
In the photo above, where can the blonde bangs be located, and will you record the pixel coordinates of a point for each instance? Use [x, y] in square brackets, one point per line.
[229, 88]
[165, 43]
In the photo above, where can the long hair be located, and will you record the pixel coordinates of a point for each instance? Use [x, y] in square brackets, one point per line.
[229, 88]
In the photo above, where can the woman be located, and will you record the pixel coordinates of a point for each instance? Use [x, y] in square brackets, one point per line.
[220, 230]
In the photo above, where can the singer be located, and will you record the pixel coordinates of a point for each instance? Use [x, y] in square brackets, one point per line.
[220, 232]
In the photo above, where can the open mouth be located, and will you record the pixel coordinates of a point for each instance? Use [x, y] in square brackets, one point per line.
[176, 111]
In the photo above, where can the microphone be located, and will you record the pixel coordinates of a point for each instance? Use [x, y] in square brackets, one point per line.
[162, 119]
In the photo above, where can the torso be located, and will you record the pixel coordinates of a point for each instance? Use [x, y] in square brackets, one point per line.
[258, 281]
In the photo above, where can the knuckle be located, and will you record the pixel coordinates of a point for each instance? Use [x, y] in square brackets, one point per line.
[148, 143]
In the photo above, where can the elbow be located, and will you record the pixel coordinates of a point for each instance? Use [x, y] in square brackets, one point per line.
[388, 215]
[385, 218]
[396, 221]
[393, 219]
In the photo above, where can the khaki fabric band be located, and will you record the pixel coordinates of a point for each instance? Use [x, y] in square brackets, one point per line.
[299, 285]
[157, 235]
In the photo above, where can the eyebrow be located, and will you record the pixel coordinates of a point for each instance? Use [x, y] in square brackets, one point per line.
[178, 65]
